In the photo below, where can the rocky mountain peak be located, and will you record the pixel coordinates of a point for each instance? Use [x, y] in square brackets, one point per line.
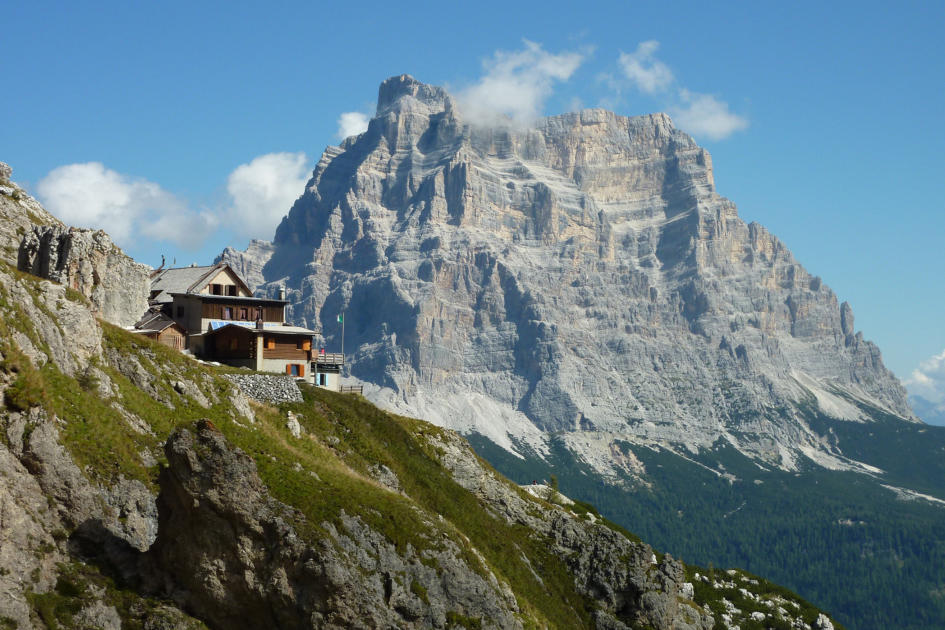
[582, 275]
[404, 93]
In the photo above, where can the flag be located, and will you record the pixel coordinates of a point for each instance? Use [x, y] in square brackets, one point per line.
[341, 319]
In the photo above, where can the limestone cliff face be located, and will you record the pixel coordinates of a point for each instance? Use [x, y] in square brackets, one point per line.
[580, 276]
[19, 213]
[89, 262]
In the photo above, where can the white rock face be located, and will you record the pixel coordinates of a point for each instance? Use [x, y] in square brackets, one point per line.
[19, 212]
[250, 262]
[89, 262]
[582, 276]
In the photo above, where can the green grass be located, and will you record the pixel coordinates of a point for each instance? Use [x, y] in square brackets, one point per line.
[420, 591]
[457, 620]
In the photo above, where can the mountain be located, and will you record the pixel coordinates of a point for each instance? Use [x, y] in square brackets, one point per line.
[576, 297]
[140, 488]
[580, 277]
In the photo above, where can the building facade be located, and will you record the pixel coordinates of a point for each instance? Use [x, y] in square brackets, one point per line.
[223, 322]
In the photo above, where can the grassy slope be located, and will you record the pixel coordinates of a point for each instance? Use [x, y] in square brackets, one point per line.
[345, 437]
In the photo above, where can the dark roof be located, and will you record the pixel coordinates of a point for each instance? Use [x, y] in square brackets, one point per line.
[207, 297]
[154, 321]
[268, 329]
[187, 280]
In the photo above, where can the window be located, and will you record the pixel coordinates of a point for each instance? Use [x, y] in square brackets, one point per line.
[259, 312]
[270, 343]
[180, 312]
[231, 289]
[322, 380]
[216, 289]
[227, 312]
[244, 313]
[303, 344]
[295, 369]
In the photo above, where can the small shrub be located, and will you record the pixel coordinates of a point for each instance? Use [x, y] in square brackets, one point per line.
[26, 391]
[552, 495]
[88, 380]
[454, 619]
[420, 591]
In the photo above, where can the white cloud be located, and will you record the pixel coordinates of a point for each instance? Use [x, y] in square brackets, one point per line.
[263, 191]
[93, 196]
[704, 115]
[928, 380]
[352, 124]
[699, 114]
[130, 208]
[647, 73]
[516, 84]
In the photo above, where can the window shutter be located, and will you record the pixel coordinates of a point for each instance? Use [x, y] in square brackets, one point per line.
[288, 369]
[302, 370]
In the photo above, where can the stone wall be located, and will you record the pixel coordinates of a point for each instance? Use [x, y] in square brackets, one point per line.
[267, 387]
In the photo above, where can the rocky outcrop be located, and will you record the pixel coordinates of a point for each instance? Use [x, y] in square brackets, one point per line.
[46, 325]
[48, 505]
[629, 585]
[236, 557]
[19, 213]
[88, 262]
[582, 276]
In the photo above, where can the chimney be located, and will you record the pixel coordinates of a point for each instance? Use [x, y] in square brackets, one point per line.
[282, 293]
[259, 323]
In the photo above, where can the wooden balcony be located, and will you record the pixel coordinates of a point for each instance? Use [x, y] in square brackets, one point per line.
[329, 358]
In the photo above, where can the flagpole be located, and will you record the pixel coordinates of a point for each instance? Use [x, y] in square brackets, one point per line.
[342, 337]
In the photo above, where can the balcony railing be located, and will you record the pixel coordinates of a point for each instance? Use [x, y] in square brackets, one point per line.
[328, 358]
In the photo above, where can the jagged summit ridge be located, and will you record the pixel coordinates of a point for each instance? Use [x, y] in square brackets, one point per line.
[581, 276]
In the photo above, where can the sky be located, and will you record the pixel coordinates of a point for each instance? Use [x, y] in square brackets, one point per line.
[824, 120]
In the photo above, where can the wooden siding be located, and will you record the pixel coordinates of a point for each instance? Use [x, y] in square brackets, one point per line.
[215, 311]
[286, 348]
[232, 343]
[172, 337]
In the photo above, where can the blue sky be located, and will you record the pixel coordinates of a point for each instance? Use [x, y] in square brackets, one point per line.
[214, 113]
